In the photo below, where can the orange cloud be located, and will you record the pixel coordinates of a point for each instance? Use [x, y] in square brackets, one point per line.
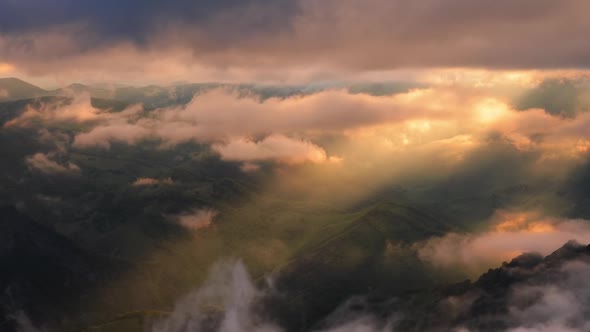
[78, 109]
[196, 219]
[274, 147]
[522, 221]
[6, 68]
[512, 234]
[379, 139]
[43, 163]
[152, 181]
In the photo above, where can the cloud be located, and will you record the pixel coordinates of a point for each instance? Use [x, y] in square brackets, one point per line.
[218, 111]
[229, 121]
[425, 135]
[248, 167]
[196, 219]
[152, 181]
[512, 234]
[563, 97]
[54, 139]
[377, 140]
[224, 303]
[111, 22]
[467, 34]
[43, 163]
[417, 117]
[274, 147]
[5, 68]
[103, 136]
[76, 109]
[221, 114]
[363, 324]
[266, 36]
[24, 323]
[560, 305]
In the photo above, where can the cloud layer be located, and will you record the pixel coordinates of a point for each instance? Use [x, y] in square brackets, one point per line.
[366, 138]
[233, 37]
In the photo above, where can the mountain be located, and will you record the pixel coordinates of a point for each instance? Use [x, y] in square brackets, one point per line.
[154, 96]
[77, 88]
[365, 256]
[529, 293]
[43, 273]
[13, 88]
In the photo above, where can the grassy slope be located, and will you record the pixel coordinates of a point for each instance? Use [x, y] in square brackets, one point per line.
[346, 251]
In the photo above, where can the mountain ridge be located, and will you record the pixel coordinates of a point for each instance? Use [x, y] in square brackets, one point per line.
[12, 88]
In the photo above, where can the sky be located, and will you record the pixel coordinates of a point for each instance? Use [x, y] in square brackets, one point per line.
[285, 41]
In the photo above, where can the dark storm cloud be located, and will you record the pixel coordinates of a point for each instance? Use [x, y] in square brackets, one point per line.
[561, 97]
[248, 40]
[136, 20]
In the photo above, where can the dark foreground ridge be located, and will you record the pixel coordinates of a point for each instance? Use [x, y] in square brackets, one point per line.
[43, 273]
[46, 276]
[520, 293]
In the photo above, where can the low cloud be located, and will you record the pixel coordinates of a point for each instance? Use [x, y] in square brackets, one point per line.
[43, 162]
[377, 139]
[152, 181]
[403, 120]
[77, 109]
[54, 139]
[249, 167]
[541, 298]
[224, 303]
[560, 305]
[272, 148]
[196, 219]
[512, 234]
[24, 323]
[103, 136]
[228, 301]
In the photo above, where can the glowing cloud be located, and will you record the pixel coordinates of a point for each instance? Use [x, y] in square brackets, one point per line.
[43, 163]
[276, 147]
[77, 109]
[514, 233]
[196, 219]
[152, 181]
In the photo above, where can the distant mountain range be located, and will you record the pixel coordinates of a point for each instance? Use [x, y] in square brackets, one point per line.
[13, 88]
[151, 96]
[154, 96]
